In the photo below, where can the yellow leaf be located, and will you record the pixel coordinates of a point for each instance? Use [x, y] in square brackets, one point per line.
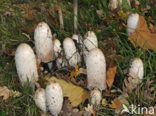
[74, 73]
[142, 36]
[6, 93]
[75, 93]
[104, 102]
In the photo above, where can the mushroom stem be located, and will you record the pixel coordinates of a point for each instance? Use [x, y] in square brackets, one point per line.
[60, 14]
[75, 15]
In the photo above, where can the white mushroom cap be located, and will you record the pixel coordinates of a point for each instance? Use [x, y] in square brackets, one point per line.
[96, 69]
[95, 97]
[136, 69]
[75, 37]
[71, 53]
[43, 42]
[61, 62]
[54, 97]
[57, 47]
[90, 40]
[40, 99]
[113, 4]
[26, 64]
[132, 23]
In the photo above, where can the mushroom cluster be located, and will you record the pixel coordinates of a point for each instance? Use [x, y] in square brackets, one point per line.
[49, 49]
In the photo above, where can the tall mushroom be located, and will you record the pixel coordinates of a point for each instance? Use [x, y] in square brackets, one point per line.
[40, 99]
[132, 23]
[54, 97]
[71, 53]
[26, 64]
[44, 43]
[96, 69]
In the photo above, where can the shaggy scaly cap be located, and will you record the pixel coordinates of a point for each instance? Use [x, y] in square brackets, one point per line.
[95, 97]
[71, 53]
[43, 42]
[40, 99]
[54, 97]
[136, 68]
[132, 23]
[26, 64]
[96, 69]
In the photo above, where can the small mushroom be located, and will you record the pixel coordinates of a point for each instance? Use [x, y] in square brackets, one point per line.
[44, 43]
[61, 62]
[57, 48]
[132, 23]
[71, 53]
[54, 97]
[26, 64]
[40, 99]
[89, 43]
[136, 69]
[90, 40]
[95, 97]
[114, 4]
[96, 69]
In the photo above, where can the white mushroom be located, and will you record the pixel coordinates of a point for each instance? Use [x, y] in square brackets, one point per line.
[114, 4]
[71, 53]
[61, 62]
[44, 43]
[89, 43]
[96, 69]
[54, 97]
[132, 23]
[90, 40]
[136, 69]
[57, 47]
[40, 99]
[95, 97]
[26, 64]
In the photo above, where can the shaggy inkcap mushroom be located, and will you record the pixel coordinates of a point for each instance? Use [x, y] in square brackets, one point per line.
[57, 47]
[136, 69]
[96, 69]
[95, 97]
[71, 53]
[43, 42]
[90, 40]
[40, 99]
[113, 4]
[26, 64]
[132, 23]
[54, 97]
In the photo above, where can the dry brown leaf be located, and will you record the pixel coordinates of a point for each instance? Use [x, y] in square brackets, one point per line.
[152, 28]
[75, 93]
[142, 36]
[110, 74]
[116, 104]
[6, 93]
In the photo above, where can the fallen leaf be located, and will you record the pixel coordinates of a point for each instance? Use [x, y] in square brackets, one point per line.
[75, 72]
[104, 102]
[142, 36]
[75, 93]
[6, 93]
[116, 104]
[152, 28]
[110, 74]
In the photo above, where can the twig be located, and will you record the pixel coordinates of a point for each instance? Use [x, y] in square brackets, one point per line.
[75, 15]
[60, 14]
